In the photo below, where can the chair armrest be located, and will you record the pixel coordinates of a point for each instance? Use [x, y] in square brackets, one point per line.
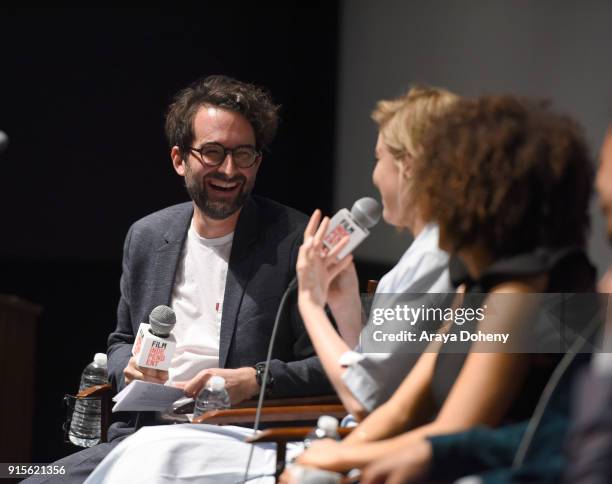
[273, 402]
[286, 402]
[99, 390]
[95, 391]
[295, 413]
[288, 434]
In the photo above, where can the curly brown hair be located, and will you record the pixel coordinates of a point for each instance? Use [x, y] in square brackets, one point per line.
[507, 173]
[253, 102]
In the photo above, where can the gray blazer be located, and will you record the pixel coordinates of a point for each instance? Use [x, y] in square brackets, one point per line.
[261, 265]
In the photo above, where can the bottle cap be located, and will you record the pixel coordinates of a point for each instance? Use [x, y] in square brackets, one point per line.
[327, 423]
[216, 383]
[100, 359]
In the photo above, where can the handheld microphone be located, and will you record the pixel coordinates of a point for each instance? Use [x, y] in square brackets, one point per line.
[4, 141]
[154, 345]
[364, 215]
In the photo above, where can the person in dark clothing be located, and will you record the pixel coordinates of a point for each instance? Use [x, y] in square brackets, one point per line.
[589, 444]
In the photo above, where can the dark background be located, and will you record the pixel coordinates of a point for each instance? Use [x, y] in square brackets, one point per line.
[82, 98]
[83, 94]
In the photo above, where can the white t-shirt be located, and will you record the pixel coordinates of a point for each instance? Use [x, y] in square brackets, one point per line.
[197, 300]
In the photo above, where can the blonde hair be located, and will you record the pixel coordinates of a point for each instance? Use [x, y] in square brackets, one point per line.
[404, 121]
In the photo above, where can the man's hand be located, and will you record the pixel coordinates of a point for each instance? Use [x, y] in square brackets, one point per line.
[410, 465]
[240, 383]
[134, 372]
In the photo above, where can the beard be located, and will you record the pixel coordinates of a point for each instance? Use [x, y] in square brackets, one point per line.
[221, 208]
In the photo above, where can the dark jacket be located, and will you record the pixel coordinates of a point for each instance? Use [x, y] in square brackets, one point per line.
[589, 446]
[261, 265]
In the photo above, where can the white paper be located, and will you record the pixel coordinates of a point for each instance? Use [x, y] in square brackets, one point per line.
[145, 396]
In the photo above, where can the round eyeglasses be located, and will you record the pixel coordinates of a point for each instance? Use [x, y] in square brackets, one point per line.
[213, 154]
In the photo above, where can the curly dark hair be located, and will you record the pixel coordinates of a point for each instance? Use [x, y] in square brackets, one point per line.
[253, 102]
[508, 173]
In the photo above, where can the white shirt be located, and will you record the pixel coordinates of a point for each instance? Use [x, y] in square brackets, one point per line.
[373, 377]
[422, 268]
[197, 300]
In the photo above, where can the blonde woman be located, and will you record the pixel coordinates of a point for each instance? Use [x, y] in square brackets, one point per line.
[363, 383]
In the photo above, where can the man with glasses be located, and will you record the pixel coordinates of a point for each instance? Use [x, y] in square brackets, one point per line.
[226, 256]
[221, 261]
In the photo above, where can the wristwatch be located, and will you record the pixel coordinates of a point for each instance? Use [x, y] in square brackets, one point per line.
[259, 372]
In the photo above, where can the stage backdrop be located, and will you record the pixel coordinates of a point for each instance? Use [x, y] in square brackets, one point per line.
[553, 49]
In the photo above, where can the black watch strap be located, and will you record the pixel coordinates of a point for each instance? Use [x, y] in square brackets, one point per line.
[259, 372]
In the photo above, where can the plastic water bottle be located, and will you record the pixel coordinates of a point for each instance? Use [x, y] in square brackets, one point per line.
[214, 396]
[85, 429]
[327, 428]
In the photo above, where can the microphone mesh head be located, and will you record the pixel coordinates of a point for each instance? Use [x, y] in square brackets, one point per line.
[162, 319]
[366, 211]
